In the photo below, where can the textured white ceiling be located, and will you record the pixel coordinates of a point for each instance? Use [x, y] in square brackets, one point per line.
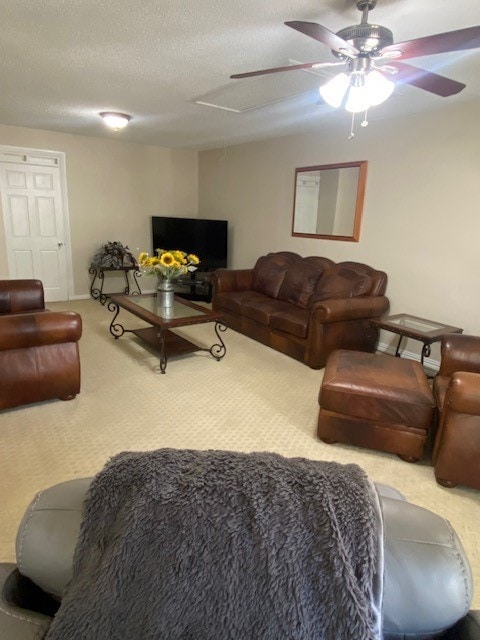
[63, 61]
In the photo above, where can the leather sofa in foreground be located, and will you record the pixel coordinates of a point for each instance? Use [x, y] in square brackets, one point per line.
[303, 307]
[427, 582]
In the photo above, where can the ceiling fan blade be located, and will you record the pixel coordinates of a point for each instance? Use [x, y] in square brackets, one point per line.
[292, 67]
[440, 43]
[322, 34]
[426, 80]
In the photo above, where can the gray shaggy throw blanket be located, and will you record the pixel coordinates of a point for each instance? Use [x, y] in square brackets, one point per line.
[216, 545]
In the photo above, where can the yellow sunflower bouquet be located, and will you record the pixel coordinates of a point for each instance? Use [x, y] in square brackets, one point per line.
[168, 263]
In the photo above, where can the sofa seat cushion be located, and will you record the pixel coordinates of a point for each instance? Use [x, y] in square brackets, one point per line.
[341, 282]
[270, 270]
[292, 320]
[260, 308]
[301, 279]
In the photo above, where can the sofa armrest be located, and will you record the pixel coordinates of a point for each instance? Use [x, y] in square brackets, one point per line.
[350, 308]
[459, 352]
[463, 393]
[21, 331]
[18, 296]
[224, 280]
[16, 621]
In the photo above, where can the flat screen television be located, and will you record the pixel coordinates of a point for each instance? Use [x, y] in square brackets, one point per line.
[207, 239]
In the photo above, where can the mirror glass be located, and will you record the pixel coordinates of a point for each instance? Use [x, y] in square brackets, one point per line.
[328, 201]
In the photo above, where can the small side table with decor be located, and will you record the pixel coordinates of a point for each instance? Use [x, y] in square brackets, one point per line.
[99, 272]
[426, 331]
[113, 257]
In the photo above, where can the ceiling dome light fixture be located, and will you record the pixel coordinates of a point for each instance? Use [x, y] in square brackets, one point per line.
[115, 120]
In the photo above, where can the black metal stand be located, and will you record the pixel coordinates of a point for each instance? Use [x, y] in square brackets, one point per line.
[193, 287]
[99, 272]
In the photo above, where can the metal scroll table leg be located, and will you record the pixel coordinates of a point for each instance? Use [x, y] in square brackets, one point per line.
[103, 296]
[397, 352]
[136, 273]
[163, 357]
[218, 350]
[425, 351]
[94, 291]
[126, 291]
[116, 329]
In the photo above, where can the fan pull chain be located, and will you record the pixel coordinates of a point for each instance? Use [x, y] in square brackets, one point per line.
[352, 134]
[364, 122]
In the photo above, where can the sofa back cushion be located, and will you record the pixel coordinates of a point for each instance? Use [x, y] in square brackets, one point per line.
[301, 279]
[379, 279]
[341, 281]
[269, 272]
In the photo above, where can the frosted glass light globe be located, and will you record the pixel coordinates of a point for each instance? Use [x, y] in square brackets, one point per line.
[334, 90]
[115, 121]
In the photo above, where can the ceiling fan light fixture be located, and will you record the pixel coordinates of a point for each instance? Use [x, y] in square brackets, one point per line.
[357, 99]
[115, 120]
[361, 90]
[359, 47]
[378, 87]
[334, 90]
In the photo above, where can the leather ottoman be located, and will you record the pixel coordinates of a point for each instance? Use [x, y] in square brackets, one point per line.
[376, 401]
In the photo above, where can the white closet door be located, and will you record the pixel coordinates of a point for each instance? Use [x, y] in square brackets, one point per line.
[34, 225]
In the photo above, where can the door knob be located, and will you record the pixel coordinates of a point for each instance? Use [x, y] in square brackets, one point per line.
[60, 244]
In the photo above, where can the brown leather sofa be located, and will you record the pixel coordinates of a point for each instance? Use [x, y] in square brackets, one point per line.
[39, 357]
[303, 307]
[456, 452]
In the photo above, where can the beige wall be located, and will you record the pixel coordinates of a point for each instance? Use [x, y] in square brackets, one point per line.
[421, 221]
[113, 189]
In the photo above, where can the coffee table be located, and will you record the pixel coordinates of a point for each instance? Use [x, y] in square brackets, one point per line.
[183, 313]
[426, 331]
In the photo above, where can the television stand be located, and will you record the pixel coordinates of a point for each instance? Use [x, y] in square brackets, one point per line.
[196, 286]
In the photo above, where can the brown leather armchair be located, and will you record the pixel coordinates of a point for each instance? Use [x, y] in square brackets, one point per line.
[20, 296]
[456, 452]
[39, 357]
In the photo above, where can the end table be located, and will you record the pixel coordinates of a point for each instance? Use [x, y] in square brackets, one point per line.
[99, 272]
[426, 331]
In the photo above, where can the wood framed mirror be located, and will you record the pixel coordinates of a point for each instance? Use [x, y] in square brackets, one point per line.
[328, 201]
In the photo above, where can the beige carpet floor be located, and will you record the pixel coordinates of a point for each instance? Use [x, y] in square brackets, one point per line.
[255, 399]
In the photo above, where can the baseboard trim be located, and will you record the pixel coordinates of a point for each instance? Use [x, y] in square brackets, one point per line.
[430, 364]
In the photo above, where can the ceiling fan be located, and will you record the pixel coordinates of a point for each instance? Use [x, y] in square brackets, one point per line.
[369, 55]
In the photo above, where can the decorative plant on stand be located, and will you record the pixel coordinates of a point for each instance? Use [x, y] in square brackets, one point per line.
[113, 255]
[167, 265]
